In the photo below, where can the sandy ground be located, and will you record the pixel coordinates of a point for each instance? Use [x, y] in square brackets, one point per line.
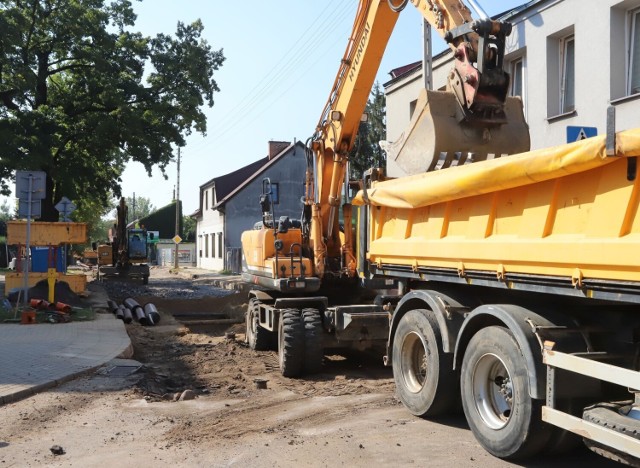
[345, 416]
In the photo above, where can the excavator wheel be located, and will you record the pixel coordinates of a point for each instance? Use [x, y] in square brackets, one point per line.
[291, 343]
[258, 338]
[313, 338]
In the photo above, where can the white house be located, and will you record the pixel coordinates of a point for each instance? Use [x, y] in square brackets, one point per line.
[229, 204]
[569, 60]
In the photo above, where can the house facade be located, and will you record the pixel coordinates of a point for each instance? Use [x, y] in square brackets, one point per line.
[230, 204]
[569, 60]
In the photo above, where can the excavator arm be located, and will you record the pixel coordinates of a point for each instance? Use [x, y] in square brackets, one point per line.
[473, 115]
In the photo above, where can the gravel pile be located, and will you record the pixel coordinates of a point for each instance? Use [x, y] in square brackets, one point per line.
[169, 288]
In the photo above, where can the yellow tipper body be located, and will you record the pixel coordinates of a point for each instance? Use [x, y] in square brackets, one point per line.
[568, 211]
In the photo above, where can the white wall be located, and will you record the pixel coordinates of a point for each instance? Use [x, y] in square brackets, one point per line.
[600, 28]
[208, 228]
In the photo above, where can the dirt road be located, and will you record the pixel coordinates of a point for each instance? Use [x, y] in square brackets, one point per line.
[345, 416]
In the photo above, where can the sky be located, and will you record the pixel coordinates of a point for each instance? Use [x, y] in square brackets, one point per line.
[281, 62]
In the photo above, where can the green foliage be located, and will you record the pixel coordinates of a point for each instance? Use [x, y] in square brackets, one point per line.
[5, 215]
[189, 228]
[91, 212]
[366, 151]
[81, 94]
[140, 209]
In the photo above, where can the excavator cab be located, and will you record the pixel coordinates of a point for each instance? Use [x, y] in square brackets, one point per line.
[273, 255]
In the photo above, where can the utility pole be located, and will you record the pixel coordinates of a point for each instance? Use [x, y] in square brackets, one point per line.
[175, 256]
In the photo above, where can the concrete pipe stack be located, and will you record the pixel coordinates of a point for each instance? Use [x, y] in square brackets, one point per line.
[131, 310]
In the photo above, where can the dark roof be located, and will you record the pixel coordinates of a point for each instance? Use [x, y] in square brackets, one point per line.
[396, 72]
[227, 183]
[260, 169]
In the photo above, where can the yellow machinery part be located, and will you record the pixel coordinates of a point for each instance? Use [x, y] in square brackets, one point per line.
[569, 211]
[259, 252]
[46, 233]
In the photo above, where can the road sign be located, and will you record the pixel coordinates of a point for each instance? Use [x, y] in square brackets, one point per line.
[65, 207]
[580, 133]
[177, 239]
[23, 208]
[31, 181]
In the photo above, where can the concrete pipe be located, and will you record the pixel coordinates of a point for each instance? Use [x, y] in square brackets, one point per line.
[127, 316]
[151, 312]
[139, 315]
[131, 303]
[112, 306]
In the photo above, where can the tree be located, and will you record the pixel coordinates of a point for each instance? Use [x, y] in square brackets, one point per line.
[141, 208]
[189, 228]
[81, 94]
[92, 213]
[5, 215]
[366, 151]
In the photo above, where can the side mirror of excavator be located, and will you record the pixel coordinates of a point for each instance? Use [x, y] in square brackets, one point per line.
[284, 223]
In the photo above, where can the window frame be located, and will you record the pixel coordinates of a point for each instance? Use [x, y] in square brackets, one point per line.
[633, 18]
[563, 47]
[512, 72]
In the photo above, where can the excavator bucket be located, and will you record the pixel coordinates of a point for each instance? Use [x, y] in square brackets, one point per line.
[439, 135]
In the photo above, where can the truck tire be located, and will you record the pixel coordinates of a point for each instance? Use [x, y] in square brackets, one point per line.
[425, 381]
[291, 343]
[258, 338]
[608, 415]
[313, 341]
[145, 280]
[505, 420]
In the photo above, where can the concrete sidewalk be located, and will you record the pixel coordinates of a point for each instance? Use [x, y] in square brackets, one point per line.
[36, 357]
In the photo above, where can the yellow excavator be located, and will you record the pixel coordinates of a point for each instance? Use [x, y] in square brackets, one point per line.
[299, 264]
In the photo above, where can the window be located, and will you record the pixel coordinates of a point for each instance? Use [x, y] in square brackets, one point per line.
[220, 244]
[633, 60]
[275, 194]
[516, 70]
[213, 246]
[206, 199]
[206, 245]
[568, 77]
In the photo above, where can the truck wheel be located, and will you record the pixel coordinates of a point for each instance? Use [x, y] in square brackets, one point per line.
[424, 376]
[145, 280]
[257, 338]
[291, 343]
[313, 341]
[609, 416]
[505, 420]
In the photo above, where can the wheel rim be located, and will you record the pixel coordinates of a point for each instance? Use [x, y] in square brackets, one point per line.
[492, 391]
[414, 362]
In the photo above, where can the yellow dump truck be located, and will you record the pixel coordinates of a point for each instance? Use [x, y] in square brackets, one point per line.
[520, 285]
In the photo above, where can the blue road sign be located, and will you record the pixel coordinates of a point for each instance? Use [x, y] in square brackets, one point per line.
[580, 133]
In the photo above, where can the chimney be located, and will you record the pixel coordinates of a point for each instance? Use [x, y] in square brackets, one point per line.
[275, 147]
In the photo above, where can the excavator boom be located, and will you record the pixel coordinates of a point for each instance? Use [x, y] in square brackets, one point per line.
[469, 121]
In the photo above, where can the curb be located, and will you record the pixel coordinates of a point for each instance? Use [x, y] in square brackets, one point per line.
[27, 392]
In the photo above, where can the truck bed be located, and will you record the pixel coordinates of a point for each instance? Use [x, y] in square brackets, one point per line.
[562, 218]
